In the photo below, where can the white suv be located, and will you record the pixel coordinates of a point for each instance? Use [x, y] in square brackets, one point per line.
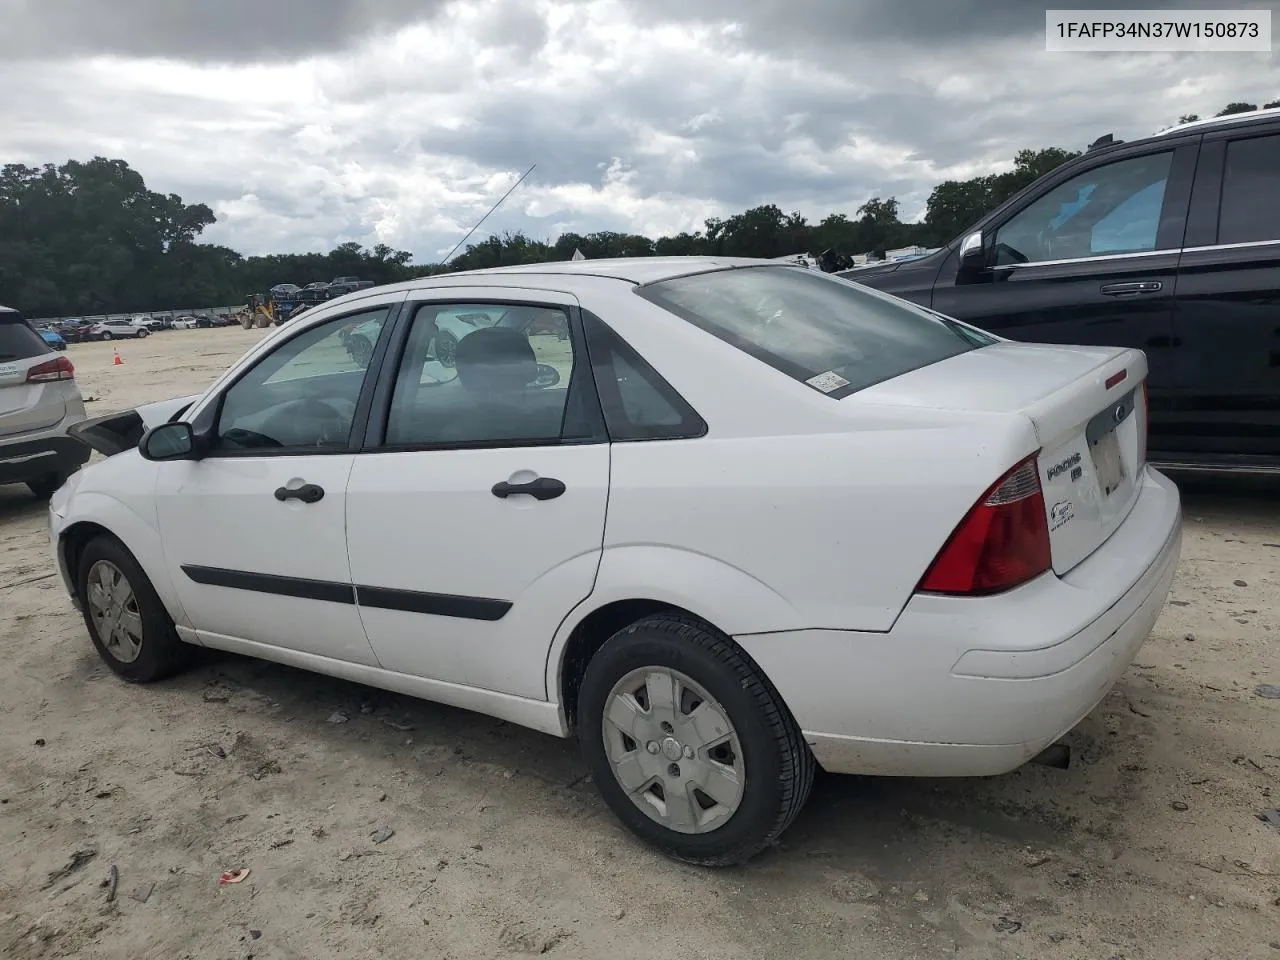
[112, 329]
[39, 400]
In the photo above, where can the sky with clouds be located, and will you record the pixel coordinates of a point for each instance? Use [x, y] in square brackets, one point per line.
[306, 123]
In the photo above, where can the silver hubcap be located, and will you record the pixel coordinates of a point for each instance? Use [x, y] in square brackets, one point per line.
[115, 612]
[673, 750]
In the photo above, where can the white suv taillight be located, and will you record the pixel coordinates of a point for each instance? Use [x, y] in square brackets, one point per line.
[51, 370]
[1001, 543]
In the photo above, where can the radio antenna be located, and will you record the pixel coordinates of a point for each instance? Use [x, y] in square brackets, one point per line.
[446, 260]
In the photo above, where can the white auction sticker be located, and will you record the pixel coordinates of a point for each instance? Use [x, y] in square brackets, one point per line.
[827, 382]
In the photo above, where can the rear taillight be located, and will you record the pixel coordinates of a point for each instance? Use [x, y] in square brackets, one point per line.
[47, 372]
[1004, 540]
[1144, 427]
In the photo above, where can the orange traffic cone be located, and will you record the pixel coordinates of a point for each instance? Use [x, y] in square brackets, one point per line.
[117, 361]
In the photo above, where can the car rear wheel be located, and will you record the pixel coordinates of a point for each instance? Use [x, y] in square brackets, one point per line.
[446, 348]
[688, 742]
[127, 622]
[360, 348]
[105, 335]
[143, 332]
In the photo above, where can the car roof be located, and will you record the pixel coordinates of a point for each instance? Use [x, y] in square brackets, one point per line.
[1230, 120]
[637, 270]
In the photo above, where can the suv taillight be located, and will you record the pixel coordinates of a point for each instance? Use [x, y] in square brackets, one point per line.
[51, 370]
[1002, 542]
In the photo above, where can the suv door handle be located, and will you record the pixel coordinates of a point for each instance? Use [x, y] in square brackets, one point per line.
[1131, 289]
[544, 488]
[307, 493]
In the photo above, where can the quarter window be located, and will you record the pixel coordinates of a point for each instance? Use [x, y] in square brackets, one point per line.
[1110, 209]
[1250, 209]
[487, 375]
[303, 394]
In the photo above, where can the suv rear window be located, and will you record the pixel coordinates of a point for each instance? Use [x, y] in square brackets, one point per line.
[17, 340]
[832, 334]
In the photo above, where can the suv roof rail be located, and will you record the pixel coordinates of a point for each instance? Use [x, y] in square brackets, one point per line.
[1271, 113]
[1106, 140]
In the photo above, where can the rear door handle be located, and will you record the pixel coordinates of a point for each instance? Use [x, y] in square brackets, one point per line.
[1136, 288]
[307, 493]
[543, 488]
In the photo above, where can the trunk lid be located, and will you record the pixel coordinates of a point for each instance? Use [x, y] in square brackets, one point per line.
[1087, 407]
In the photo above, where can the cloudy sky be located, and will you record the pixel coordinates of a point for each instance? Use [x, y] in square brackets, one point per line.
[305, 123]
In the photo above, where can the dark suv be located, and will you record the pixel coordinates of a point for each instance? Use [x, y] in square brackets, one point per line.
[1170, 244]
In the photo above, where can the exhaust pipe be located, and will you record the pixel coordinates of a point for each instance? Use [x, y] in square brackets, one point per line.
[1057, 755]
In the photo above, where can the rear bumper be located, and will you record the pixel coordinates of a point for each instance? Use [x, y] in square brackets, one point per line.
[973, 687]
[29, 459]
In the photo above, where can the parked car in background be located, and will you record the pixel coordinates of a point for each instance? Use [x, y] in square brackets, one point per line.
[116, 329]
[1170, 245]
[343, 285]
[453, 325]
[52, 337]
[747, 519]
[39, 400]
[73, 331]
[155, 324]
[186, 322]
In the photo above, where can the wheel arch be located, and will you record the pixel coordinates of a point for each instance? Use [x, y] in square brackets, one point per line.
[99, 514]
[640, 580]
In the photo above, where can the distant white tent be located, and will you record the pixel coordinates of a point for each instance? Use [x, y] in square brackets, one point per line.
[577, 254]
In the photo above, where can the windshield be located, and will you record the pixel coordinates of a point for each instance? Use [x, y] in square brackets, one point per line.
[832, 334]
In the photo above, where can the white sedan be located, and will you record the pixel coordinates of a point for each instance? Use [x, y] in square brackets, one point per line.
[745, 520]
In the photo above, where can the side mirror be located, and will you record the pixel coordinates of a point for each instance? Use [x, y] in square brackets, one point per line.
[169, 441]
[972, 252]
[548, 376]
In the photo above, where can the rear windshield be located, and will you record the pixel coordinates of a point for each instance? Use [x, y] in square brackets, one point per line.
[832, 334]
[17, 340]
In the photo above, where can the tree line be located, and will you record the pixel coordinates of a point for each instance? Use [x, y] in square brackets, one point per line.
[89, 237]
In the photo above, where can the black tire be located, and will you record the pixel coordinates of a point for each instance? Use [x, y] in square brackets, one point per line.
[44, 486]
[778, 766]
[162, 653]
[105, 335]
[446, 348]
[143, 333]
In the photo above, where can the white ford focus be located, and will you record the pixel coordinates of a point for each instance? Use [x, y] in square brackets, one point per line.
[724, 520]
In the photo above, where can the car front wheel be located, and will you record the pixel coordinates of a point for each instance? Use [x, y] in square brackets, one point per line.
[129, 626]
[689, 743]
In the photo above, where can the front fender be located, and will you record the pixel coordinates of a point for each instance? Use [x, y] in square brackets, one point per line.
[132, 528]
[726, 597]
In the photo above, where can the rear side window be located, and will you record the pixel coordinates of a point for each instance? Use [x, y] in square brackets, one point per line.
[1251, 191]
[638, 403]
[18, 341]
[832, 334]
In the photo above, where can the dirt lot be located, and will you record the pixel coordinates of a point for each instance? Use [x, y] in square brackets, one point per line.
[1148, 847]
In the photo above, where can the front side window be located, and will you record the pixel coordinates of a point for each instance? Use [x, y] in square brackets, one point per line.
[303, 394]
[832, 334]
[486, 374]
[1250, 211]
[1114, 208]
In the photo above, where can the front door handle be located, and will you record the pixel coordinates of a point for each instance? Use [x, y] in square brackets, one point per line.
[1136, 288]
[544, 488]
[307, 493]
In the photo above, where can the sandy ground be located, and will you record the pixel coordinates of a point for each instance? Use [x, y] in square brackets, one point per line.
[1148, 847]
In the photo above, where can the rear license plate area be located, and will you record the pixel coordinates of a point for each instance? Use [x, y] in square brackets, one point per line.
[1104, 444]
[1108, 464]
